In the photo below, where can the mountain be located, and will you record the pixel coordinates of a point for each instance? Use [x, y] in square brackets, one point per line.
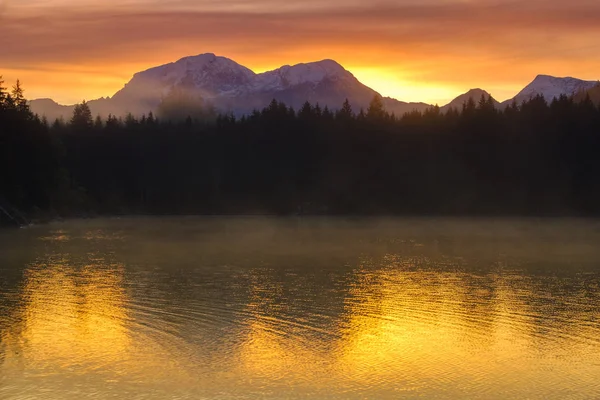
[231, 87]
[50, 109]
[399, 108]
[551, 87]
[474, 94]
[593, 93]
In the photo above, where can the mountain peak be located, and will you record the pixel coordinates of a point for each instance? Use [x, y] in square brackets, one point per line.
[476, 91]
[551, 87]
[231, 87]
[207, 74]
[312, 73]
[474, 94]
[203, 56]
[194, 64]
[329, 65]
[550, 78]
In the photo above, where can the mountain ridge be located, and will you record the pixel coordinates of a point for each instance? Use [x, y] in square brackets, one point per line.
[551, 87]
[234, 88]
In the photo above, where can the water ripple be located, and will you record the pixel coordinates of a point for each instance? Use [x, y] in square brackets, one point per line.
[80, 313]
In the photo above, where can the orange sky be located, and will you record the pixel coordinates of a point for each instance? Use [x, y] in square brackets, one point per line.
[427, 50]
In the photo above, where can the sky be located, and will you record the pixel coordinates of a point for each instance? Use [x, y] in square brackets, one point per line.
[425, 50]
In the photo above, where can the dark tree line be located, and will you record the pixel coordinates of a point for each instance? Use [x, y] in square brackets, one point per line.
[529, 159]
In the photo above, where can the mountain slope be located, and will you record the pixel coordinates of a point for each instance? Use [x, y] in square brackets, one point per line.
[231, 87]
[593, 93]
[52, 110]
[551, 87]
[205, 75]
[474, 94]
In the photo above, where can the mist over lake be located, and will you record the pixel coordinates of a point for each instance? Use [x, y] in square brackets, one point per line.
[295, 308]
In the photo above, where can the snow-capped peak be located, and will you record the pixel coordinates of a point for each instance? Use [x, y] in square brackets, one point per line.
[551, 87]
[211, 74]
[311, 73]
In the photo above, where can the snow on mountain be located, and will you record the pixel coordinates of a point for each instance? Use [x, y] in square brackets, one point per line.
[551, 87]
[314, 73]
[235, 88]
[231, 87]
[207, 75]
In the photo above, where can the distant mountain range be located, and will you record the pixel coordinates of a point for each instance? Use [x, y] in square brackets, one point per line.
[231, 87]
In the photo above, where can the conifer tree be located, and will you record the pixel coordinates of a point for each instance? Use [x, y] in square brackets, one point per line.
[18, 97]
[82, 117]
[376, 111]
[345, 113]
[98, 124]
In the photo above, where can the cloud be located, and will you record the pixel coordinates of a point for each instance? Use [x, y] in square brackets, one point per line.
[433, 41]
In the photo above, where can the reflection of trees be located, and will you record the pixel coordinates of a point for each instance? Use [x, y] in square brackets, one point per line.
[404, 320]
[233, 307]
[291, 325]
[80, 308]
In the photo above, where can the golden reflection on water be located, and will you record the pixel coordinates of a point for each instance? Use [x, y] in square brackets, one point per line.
[274, 345]
[388, 326]
[75, 326]
[406, 331]
[83, 313]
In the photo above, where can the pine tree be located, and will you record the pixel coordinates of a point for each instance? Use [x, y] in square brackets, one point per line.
[3, 94]
[151, 119]
[345, 113]
[317, 111]
[130, 120]
[376, 111]
[469, 107]
[82, 117]
[327, 114]
[361, 115]
[306, 111]
[98, 124]
[112, 122]
[19, 98]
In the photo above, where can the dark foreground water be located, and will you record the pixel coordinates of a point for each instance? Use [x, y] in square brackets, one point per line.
[260, 308]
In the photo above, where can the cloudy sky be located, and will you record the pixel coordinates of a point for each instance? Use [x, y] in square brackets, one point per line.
[426, 50]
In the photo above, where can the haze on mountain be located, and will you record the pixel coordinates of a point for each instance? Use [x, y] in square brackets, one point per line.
[593, 94]
[233, 88]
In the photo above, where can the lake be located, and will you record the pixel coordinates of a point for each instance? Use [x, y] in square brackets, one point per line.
[301, 308]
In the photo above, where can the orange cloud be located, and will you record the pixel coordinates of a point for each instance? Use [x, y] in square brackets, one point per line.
[418, 51]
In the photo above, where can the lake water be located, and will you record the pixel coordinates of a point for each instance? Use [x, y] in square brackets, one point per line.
[306, 308]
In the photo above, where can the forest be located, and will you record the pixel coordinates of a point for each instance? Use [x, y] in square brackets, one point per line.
[537, 158]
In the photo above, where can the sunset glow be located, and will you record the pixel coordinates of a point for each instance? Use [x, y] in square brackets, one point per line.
[428, 51]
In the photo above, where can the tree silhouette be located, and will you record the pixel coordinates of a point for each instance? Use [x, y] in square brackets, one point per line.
[376, 110]
[82, 117]
[345, 113]
[530, 159]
